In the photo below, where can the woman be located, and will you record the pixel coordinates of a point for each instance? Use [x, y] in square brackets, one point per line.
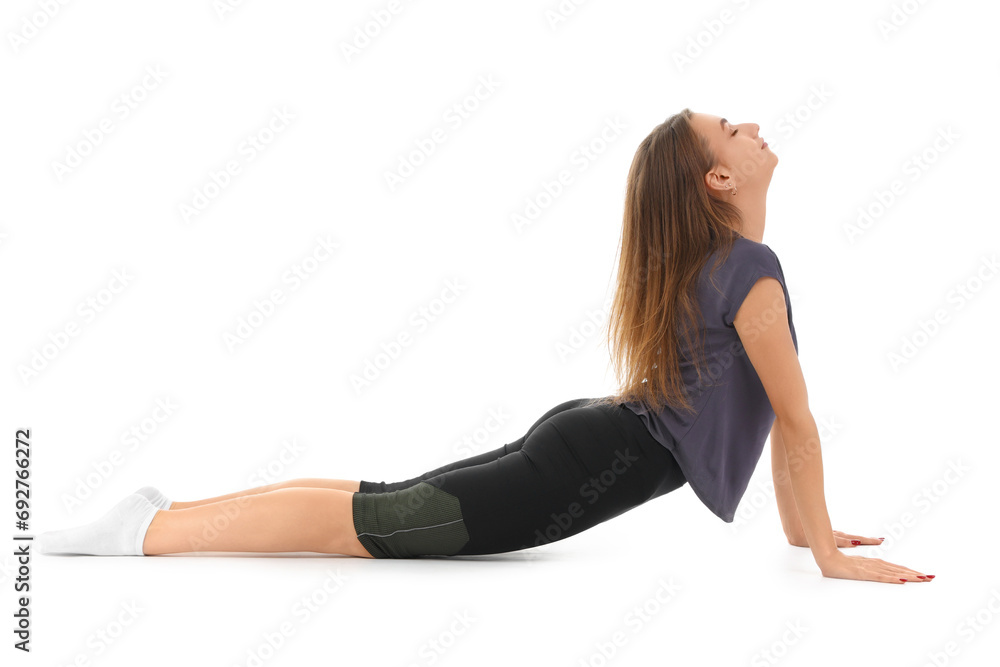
[701, 333]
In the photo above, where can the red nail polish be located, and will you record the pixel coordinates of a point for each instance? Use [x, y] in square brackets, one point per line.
[901, 579]
[855, 542]
[931, 576]
[920, 576]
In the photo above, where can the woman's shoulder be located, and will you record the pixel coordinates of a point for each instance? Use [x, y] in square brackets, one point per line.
[745, 253]
[753, 248]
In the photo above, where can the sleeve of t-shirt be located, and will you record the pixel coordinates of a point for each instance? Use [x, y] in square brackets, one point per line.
[747, 267]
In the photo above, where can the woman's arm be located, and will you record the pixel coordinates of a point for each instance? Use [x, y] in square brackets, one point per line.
[762, 324]
[783, 494]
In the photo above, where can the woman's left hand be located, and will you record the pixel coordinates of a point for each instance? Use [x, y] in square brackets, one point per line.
[842, 539]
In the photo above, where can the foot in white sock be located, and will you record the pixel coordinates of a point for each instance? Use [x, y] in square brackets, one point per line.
[154, 496]
[120, 532]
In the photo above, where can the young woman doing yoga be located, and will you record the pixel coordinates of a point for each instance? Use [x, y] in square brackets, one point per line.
[701, 334]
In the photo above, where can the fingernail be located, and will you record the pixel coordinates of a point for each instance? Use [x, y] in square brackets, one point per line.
[902, 579]
[930, 576]
[881, 538]
[920, 576]
[855, 542]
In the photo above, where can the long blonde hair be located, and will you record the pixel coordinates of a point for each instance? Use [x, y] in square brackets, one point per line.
[671, 225]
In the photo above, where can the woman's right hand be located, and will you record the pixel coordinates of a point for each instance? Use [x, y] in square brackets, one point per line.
[843, 566]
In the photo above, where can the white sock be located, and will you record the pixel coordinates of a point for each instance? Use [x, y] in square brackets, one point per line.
[120, 532]
[154, 496]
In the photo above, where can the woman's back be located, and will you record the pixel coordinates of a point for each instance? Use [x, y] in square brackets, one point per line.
[719, 444]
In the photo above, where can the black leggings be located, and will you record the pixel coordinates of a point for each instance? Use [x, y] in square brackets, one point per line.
[577, 466]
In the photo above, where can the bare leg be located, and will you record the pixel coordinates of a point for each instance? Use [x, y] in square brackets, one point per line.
[305, 482]
[282, 520]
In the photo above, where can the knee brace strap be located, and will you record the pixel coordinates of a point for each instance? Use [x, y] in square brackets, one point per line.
[421, 520]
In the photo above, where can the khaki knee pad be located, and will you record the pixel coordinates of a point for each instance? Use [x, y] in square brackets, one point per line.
[421, 520]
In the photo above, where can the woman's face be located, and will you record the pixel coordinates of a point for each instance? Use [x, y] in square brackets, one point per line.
[745, 161]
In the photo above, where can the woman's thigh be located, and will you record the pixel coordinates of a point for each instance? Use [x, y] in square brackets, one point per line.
[484, 457]
[576, 469]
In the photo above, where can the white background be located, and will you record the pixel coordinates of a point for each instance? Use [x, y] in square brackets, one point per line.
[846, 104]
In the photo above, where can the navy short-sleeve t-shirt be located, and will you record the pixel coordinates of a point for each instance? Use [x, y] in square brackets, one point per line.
[719, 444]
